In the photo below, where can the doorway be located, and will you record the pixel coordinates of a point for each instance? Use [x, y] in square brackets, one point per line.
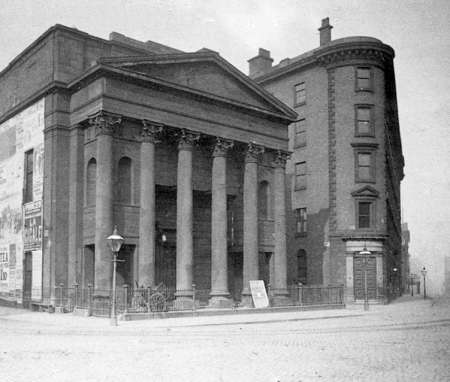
[359, 277]
[27, 279]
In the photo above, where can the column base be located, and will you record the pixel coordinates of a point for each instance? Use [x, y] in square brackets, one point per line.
[220, 301]
[246, 300]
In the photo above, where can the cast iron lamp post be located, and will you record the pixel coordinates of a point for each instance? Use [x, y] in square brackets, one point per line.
[395, 270]
[424, 273]
[365, 253]
[115, 241]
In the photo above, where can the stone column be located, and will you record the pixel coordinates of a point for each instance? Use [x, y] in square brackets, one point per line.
[146, 258]
[219, 254]
[251, 242]
[104, 124]
[280, 284]
[185, 243]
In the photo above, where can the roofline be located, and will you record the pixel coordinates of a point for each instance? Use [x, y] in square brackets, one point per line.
[313, 56]
[204, 56]
[60, 27]
[107, 69]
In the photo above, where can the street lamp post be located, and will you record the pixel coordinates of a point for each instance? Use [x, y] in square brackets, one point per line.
[395, 270]
[115, 241]
[365, 253]
[424, 273]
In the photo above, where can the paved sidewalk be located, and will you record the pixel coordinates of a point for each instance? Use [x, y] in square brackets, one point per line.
[407, 340]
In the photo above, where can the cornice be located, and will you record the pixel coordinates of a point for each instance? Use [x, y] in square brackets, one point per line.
[335, 54]
[140, 78]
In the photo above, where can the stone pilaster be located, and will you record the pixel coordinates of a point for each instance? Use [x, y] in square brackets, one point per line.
[105, 125]
[251, 242]
[185, 243]
[146, 269]
[75, 205]
[219, 254]
[280, 284]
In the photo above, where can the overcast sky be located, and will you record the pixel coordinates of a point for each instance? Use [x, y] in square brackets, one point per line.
[419, 31]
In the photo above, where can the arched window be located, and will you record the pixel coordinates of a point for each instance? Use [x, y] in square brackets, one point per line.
[91, 178]
[124, 181]
[264, 200]
[301, 266]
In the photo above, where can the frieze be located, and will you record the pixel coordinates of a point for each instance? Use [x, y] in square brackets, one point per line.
[349, 54]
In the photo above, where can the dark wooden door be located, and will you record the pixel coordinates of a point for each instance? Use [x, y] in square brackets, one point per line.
[27, 279]
[359, 264]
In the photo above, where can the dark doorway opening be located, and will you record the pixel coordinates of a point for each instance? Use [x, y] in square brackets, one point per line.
[27, 279]
[88, 266]
[359, 265]
[125, 265]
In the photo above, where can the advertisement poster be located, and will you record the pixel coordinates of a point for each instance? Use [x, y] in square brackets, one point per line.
[32, 227]
[20, 227]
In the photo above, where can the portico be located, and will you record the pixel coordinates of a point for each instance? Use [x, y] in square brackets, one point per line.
[188, 163]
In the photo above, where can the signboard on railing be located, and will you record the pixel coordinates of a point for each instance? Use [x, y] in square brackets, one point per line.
[259, 294]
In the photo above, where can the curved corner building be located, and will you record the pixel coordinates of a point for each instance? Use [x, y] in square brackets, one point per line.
[346, 165]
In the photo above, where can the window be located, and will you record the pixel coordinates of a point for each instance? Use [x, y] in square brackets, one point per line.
[301, 218]
[364, 166]
[365, 162]
[299, 94]
[124, 181]
[363, 79]
[300, 175]
[300, 133]
[301, 266]
[364, 214]
[28, 178]
[91, 178]
[364, 121]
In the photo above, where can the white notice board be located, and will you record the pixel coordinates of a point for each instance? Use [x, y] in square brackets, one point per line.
[259, 294]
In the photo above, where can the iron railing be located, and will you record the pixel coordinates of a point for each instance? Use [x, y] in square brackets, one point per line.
[98, 302]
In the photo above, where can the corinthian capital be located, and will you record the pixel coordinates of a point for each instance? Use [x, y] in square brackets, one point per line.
[104, 122]
[253, 152]
[150, 131]
[187, 138]
[281, 157]
[222, 146]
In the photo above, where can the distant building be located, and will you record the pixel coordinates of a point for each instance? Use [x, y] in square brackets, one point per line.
[163, 144]
[347, 161]
[405, 271]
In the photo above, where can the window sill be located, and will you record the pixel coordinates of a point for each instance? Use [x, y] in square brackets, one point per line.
[300, 145]
[371, 181]
[299, 104]
[364, 90]
[301, 234]
[300, 188]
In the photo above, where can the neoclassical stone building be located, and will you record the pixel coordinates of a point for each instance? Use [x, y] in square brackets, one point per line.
[347, 161]
[180, 151]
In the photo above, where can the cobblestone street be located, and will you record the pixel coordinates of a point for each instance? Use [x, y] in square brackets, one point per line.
[408, 340]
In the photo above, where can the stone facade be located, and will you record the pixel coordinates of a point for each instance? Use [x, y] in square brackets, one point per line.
[347, 147]
[159, 143]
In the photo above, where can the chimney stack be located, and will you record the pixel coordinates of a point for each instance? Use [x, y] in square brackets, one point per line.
[325, 32]
[260, 64]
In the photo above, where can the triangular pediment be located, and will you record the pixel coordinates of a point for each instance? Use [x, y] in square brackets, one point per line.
[207, 72]
[366, 191]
